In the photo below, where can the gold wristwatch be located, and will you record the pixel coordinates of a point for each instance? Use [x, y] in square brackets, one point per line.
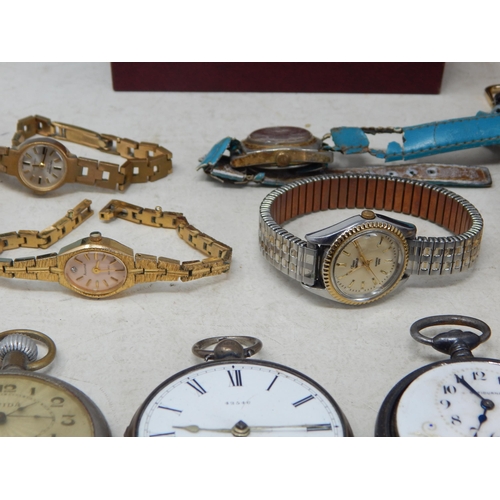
[99, 267]
[44, 164]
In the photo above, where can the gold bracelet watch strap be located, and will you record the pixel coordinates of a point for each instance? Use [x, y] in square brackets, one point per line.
[49, 235]
[145, 161]
[150, 268]
[147, 268]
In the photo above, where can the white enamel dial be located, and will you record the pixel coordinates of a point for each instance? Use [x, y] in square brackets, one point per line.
[42, 167]
[454, 399]
[240, 398]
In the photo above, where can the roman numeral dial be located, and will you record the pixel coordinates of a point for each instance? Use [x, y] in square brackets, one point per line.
[244, 398]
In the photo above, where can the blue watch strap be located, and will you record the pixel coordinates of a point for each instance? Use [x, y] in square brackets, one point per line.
[422, 140]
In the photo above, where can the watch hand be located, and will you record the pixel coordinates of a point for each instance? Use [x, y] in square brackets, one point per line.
[30, 416]
[42, 163]
[308, 427]
[194, 429]
[351, 271]
[366, 263]
[242, 427]
[482, 419]
[97, 271]
[20, 408]
[487, 404]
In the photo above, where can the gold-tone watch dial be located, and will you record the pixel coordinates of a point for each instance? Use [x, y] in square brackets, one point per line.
[366, 264]
[33, 407]
[42, 167]
[95, 272]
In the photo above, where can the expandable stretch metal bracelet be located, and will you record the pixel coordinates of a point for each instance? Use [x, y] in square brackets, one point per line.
[316, 261]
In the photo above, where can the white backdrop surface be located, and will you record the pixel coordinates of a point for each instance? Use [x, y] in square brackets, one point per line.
[119, 349]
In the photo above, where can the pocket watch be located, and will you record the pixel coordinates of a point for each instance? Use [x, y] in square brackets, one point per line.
[273, 156]
[98, 267]
[232, 396]
[455, 397]
[33, 404]
[367, 256]
[44, 164]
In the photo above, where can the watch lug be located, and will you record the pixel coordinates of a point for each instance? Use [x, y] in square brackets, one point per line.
[319, 289]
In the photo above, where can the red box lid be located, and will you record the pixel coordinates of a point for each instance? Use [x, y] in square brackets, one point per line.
[398, 78]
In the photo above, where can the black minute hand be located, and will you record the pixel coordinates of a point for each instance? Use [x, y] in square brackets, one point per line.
[487, 404]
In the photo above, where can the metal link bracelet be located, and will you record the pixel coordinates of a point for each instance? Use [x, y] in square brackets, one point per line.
[44, 164]
[98, 267]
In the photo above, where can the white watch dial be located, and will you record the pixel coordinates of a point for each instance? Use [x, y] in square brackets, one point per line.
[454, 399]
[239, 398]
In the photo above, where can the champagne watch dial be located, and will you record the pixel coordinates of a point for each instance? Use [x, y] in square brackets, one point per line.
[365, 263]
[95, 272]
[454, 399]
[30, 406]
[240, 398]
[42, 167]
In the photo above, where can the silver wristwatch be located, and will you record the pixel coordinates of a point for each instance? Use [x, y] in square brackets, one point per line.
[367, 256]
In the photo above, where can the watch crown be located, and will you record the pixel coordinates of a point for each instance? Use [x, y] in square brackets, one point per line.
[21, 343]
[95, 236]
[282, 160]
[368, 214]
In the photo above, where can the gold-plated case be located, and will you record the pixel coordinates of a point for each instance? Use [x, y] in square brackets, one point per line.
[96, 243]
[296, 147]
[48, 181]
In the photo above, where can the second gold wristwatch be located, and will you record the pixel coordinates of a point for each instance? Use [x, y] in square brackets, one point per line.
[99, 267]
[44, 164]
